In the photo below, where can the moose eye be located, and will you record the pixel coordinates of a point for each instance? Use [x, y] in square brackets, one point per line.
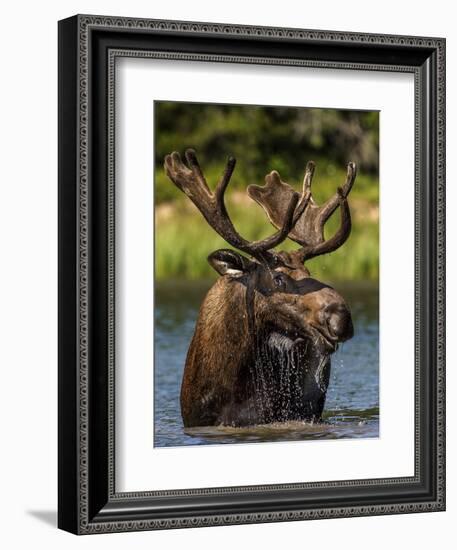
[280, 281]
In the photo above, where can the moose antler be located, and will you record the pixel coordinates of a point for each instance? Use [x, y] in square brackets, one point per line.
[308, 230]
[191, 181]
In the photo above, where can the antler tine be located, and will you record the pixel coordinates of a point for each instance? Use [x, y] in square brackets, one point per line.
[308, 178]
[224, 181]
[322, 214]
[307, 252]
[192, 182]
[192, 160]
[189, 180]
[306, 195]
[309, 219]
[332, 204]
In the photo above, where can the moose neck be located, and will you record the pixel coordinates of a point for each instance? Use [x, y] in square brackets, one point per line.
[221, 347]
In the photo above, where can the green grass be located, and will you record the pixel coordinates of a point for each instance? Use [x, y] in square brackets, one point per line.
[183, 241]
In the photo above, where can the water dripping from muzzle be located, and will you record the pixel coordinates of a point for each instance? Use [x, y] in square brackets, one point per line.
[319, 374]
[280, 379]
[280, 373]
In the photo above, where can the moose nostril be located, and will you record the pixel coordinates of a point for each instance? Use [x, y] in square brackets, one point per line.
[339, 322]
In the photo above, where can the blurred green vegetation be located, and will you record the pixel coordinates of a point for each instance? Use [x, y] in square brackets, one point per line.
[264, 139]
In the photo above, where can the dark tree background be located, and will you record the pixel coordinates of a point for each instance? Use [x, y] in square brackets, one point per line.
[266, 138]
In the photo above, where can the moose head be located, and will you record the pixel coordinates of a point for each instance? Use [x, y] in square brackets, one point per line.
[266, 329]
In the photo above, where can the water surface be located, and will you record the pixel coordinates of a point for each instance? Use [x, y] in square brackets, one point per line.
[352, 405]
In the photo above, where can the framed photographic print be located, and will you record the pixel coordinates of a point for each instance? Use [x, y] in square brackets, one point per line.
[251, 274]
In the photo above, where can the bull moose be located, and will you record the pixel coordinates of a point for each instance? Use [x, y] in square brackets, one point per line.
[266, 329]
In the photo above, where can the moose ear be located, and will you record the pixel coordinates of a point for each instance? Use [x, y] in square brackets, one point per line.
[229, 262]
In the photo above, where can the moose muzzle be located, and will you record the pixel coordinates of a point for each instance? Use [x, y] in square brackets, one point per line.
[339, 322]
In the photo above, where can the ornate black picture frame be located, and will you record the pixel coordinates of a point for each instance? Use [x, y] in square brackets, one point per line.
[88, 501]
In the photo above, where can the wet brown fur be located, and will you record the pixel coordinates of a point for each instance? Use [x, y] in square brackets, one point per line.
[215, 382]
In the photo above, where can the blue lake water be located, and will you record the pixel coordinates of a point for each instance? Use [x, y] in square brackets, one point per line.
[352, 405]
